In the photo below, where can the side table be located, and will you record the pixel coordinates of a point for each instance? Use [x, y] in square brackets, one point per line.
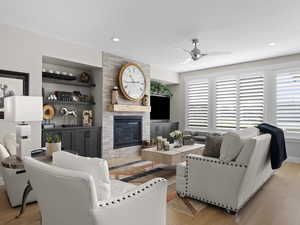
[12, 162]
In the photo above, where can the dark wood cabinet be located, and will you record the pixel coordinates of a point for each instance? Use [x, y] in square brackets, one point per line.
[163, 129]
[84, 141]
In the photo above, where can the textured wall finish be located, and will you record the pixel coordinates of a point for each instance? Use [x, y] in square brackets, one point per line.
[111, 67]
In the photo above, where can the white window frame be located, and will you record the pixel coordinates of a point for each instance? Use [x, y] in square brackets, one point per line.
[187, 102]
[269, 71]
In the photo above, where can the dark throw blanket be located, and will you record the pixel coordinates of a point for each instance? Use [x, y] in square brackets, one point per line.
[277, 148]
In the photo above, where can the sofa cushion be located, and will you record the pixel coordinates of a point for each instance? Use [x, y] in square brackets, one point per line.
[212, 146]
[96, 167]
[233, 143]
[249, 132]
[246, 152]
[9, 141]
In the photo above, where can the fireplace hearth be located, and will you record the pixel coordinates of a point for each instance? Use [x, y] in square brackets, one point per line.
[127, 131]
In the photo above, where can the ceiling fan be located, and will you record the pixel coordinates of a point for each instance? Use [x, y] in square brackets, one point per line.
[195, 54]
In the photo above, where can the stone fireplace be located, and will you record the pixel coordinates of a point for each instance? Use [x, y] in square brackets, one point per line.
[128, 140]
[127, 131]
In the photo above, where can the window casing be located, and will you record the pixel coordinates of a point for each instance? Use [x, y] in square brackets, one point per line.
[197, 104]
[238, 102]
[288, 101]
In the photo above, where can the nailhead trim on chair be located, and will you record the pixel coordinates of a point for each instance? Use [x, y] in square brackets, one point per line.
[222, 205]
[234, 164]
[201, 198]
[139, 191]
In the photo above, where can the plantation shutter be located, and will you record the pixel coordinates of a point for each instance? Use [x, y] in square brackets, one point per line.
[197, 109]
[288, 101]
[226, 103]
[251, 100]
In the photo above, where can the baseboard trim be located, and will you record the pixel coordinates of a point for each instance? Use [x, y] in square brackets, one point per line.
[293, 159]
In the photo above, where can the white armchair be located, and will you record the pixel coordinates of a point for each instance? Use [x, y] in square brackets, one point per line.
[15, 180]
[70, 197]
[227, 185]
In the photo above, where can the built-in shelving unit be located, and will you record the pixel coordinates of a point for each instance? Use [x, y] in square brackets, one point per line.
[67, 82]
[68, 103]
[63, 88]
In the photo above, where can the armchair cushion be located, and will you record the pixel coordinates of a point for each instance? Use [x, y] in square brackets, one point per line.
[119, 187]
[97, 168]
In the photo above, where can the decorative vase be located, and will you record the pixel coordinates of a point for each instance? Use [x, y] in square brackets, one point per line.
[177, 143]
[52, 147]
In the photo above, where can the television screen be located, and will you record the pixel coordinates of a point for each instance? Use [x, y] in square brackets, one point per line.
[160, 108]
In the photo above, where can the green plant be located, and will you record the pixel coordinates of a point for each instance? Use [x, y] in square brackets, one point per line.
[159, 88]
[53, 139]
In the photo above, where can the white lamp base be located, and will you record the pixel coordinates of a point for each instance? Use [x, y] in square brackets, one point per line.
[23, 133]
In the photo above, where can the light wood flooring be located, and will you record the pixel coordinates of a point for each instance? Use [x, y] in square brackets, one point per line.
[277, 203]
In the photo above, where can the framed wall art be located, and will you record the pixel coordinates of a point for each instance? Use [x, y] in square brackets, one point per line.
[12, 83]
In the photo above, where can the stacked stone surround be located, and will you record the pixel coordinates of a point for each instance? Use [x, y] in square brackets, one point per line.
[111, 67]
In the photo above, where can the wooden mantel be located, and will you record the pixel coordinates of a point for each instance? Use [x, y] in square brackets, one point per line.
[128, 108]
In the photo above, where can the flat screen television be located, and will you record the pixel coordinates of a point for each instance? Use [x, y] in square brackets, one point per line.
[160, 108]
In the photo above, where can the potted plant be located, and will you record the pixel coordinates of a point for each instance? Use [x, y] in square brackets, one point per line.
[178, 137]
[53, 144]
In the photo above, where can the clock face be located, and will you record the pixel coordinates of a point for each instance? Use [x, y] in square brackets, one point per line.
[132, 82]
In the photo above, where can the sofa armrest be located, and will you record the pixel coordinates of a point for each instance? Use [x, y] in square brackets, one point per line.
[146, 205]
[214, 181]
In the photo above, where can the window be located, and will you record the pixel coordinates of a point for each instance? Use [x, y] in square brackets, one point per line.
[288, 101]
[197, 107]
[226, 103]
[251, 100]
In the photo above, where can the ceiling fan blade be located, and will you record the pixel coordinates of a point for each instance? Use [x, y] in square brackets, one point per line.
[187, 51]
[216, 53]
[186, 61]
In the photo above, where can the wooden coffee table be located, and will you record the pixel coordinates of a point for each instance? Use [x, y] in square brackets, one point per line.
[173, 156]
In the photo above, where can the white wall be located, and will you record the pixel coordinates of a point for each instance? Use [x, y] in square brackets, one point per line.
[164, 76]
[22, 51]
[178, 100]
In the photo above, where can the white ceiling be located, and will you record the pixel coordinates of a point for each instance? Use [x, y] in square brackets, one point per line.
[152, 30]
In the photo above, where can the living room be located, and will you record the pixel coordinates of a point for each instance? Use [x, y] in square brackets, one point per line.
[190, 115]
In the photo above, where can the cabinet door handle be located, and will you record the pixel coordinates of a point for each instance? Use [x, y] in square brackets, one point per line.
[87, 134]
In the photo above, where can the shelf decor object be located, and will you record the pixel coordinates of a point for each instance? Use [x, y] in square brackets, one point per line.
[23, 109]
[115, 95]
[129, 108]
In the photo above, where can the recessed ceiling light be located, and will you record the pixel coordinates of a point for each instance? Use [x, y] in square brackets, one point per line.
[272, 44]
[115, 39]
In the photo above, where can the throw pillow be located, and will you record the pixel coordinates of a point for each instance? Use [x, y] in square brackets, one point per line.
[233, 143]
[231, 146]
[97, 168]
[212, 146]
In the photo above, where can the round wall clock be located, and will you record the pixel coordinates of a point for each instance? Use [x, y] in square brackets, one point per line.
[132, 82]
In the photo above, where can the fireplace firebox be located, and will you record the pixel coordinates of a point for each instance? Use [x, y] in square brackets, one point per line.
[127, 131]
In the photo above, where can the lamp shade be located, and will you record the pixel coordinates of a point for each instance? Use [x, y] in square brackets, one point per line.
[23, 108]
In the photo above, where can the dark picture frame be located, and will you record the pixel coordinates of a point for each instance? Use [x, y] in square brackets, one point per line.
[13, 75]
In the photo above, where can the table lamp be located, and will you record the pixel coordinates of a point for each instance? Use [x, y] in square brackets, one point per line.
[23, 109]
